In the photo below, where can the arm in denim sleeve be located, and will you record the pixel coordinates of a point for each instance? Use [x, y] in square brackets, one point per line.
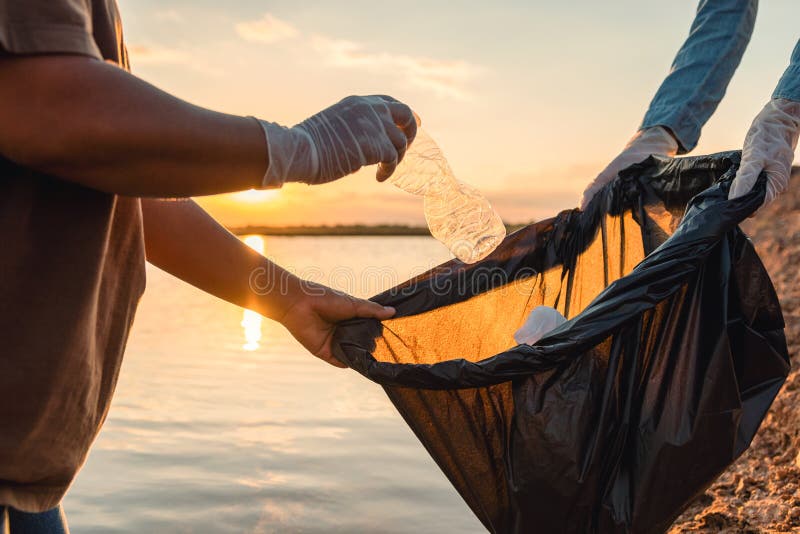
[789, 84]
[702, 69]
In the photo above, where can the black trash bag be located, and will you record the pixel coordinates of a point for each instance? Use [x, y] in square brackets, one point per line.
[614, 421]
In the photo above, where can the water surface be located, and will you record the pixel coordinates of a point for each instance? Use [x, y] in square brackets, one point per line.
[221, 422]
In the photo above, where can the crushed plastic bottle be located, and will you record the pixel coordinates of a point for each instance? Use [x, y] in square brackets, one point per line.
[457, 214]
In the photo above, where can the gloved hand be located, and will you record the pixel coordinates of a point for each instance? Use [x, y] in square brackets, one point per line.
[653, 140]
[769, 147]
[358, 131]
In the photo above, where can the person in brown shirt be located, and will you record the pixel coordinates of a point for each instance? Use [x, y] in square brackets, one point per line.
[87, 153]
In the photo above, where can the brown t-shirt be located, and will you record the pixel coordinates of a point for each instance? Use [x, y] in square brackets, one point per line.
[71, 274]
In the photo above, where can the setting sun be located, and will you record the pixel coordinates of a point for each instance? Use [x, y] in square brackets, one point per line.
[256, 195]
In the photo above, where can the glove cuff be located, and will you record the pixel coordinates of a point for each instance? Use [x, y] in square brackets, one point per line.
[657, 139]
[292, 155]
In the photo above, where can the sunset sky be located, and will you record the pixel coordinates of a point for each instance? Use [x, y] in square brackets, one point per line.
[528, 99]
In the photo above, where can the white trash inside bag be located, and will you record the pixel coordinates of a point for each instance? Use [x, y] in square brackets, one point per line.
[541, 321]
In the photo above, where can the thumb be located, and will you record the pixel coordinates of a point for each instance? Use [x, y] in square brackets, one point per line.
[588, 194]
[744, 181]
[606, 175]
[369, 309]
[591, 190]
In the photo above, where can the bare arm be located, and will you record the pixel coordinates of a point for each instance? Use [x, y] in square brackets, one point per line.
[90, 122]
[184, 240]
[93, 123]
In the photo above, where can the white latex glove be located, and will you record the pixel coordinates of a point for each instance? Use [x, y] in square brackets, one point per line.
[653, 140]
[358, 131]
[542, 319]
[769, 147]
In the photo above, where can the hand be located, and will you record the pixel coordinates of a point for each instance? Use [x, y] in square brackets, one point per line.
[358, 131]
[769, 147]
[654, 140]
[313, 317]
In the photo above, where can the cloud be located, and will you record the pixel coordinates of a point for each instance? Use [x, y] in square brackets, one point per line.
[268, 29]
[446, 78]
[164, 55]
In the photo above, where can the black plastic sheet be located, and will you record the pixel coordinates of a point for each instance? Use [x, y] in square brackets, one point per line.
[672, 354]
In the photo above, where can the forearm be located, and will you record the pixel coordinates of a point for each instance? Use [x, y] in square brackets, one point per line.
[702, 69]
[184, 240]
[95, 124]
[789, 84]
[187, 242]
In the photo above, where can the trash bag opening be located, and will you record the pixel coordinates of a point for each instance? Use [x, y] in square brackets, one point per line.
[618, 417]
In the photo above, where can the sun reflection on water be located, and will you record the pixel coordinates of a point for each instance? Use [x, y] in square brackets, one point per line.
[251, 321]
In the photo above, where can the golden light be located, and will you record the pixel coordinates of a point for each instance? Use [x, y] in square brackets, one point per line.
[256, 242]
[251, 321]
[255, 195]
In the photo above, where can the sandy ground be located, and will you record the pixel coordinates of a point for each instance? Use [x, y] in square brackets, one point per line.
[761, 491]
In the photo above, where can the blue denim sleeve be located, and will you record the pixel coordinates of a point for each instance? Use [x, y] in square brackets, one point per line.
[789, 84]
[702, 69]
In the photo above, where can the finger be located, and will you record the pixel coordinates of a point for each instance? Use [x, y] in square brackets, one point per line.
[611, 171]
[588, 195]
[387, 98]
[369, 309]
[401, 133]
[591, 190]
[405, 119]
[772, 193]
[398, 139]
[739, 187]
[392, 155]
[385, 170]
[585, 199]
[331, 359]
[776, 184]
[325, 353]
[392, 100]
[744, 181]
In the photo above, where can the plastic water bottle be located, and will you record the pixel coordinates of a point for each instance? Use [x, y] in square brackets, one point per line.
[457, 214]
